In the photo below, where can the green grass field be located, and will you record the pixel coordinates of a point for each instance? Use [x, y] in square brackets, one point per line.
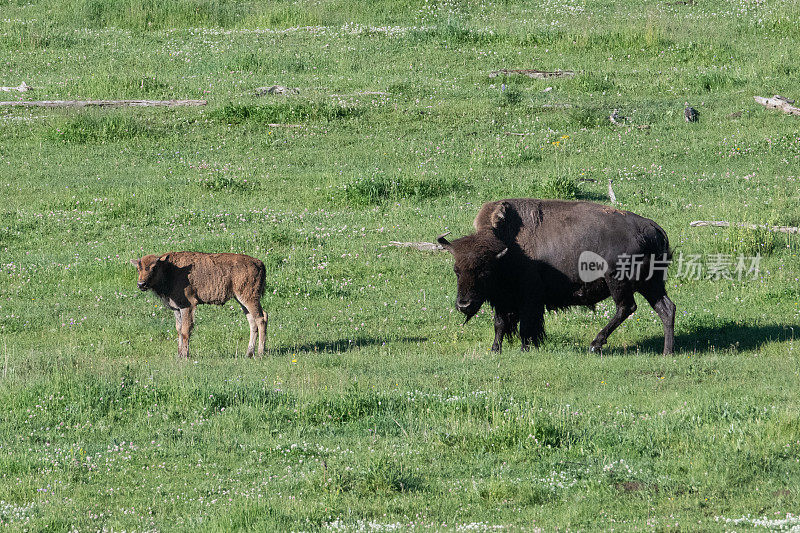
[375, 408]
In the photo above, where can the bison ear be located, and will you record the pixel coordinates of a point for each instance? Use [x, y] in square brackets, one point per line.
[499, 214]
[441, 239]
[136, 262]
[162, 258]
[501, 254]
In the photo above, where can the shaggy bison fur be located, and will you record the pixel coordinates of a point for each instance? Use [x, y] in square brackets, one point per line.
[524, 258]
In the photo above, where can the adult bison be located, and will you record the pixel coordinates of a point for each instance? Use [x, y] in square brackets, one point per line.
[185, 279]
[528, 255]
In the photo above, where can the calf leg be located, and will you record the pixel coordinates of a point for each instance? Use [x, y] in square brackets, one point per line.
[257, 319]
[622, 294]
[178, 329]
[665, 308]
[187, 322]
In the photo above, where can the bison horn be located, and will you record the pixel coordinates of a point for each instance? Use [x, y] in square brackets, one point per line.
[443, 241]
[501, 254]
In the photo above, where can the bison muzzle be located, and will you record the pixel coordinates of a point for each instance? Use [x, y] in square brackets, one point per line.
[529, 255]
[183, 280]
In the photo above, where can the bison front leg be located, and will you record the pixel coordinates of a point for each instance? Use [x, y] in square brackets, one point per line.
[504, 326]
[499, 331]
[626, 306]
[187, 322]
[531, 326]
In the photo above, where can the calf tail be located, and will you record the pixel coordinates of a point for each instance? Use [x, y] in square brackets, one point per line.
[262, 279]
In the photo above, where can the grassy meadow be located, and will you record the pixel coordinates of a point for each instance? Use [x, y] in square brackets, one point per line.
[375, 408]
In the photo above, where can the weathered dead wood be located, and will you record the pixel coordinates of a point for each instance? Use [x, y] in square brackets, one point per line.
[22, 88]
[104, 103]
[285, 125]
[611, 195]
[422, 246]
[778, 102]
[725, 224]
[275, 89]
[533, 73]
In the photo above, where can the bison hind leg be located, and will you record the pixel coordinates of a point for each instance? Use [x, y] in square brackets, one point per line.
[656, 296]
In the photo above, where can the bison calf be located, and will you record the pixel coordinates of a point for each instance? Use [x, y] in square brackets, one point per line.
[185, 279]
[528, 255]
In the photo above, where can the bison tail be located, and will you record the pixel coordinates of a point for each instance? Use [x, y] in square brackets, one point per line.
[664, 242]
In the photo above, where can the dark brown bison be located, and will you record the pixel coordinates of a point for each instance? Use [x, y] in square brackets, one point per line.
[528, 255]
[185, 279]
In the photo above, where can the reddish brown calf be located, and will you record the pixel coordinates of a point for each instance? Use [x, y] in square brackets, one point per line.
[185, 279]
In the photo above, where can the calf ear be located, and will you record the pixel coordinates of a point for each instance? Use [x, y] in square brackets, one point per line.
[498, 218]
[136, 262]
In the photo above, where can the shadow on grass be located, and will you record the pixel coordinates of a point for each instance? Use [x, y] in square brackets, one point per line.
[341, 345]
[725, 336]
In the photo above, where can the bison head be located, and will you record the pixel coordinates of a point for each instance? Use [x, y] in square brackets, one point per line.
[150, 269]
[478, 259]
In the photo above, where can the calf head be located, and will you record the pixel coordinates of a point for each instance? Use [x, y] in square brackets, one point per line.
[151, 268]
[478, 260]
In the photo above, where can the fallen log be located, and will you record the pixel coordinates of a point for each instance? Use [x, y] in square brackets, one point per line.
[533, 73]
[22, 88]
[778, 102]
[423, 246]
[725, 224]
[104, 103]
[275, 89]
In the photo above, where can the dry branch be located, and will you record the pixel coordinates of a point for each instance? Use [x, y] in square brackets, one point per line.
[778, 102]
[533, 73]
[725, 224]
[104, 103]
[22, 88]
[285, 125]
[275, 89]
[423, 246]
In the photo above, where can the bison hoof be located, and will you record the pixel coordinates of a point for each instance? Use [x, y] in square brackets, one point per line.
[525, 348]
[596, 348]
[496, 348]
